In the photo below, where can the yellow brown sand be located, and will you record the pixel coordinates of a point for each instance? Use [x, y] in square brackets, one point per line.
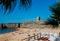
[24, 32]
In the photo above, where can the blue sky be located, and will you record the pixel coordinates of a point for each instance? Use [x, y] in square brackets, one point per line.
[38, 8]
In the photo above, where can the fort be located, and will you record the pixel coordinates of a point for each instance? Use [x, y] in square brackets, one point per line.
[30, 24]
[30, 31]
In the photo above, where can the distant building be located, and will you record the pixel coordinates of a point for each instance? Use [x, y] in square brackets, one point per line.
[38, 18]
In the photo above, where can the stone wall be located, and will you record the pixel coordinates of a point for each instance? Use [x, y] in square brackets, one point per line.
[10, 25]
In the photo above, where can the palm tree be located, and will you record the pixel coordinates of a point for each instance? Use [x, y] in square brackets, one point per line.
[25, 3]
[55, 17]
[7, 4]
[56, 11]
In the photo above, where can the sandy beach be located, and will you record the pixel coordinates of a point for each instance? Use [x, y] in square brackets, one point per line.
[24, 32]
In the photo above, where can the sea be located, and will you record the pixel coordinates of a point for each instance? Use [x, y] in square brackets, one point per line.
[3, 31]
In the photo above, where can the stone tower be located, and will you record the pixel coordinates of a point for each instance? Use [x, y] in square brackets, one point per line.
[38, 18]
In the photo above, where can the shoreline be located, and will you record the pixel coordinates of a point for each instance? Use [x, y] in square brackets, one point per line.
[22, 33]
